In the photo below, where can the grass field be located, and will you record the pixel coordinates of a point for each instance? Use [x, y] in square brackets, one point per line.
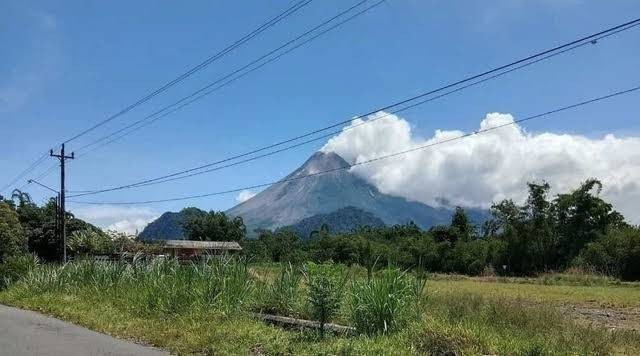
[459, 314]
[598, 296]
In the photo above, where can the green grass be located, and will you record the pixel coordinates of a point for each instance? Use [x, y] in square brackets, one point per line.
[600, 296]
[205, 309]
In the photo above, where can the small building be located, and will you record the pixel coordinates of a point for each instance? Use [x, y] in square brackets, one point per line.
[188, 249]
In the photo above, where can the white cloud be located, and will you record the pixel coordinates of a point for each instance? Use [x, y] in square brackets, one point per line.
[120, 218]
[244, 195]
[477, 170]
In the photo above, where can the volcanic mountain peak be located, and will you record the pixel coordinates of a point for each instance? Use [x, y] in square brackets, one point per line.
[321, 162]
[292, 200]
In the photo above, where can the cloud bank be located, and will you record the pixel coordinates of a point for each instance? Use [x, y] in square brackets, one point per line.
[126, 219]
[244, 195]
[480, 169]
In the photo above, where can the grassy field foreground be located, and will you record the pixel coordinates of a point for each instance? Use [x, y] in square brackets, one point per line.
[207, 310]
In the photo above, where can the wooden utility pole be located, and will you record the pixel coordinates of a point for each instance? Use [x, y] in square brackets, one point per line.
[63, 230]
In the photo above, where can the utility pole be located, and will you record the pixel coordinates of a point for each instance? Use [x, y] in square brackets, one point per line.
[63, 230]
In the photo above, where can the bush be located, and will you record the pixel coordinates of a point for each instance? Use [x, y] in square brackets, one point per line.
[325, 282]
[90, 242]
[384, 303]
[617, 254]
[16, 267]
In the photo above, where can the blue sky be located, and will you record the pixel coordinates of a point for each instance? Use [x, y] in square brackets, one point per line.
[66, 65]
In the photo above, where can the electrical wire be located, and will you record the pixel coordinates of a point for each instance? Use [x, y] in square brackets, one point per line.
[227, 79]
[379, 158]
[500, 71]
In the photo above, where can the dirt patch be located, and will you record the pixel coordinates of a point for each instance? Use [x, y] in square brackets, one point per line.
[611, 318]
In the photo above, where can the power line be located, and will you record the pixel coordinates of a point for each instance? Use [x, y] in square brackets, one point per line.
[24, 173]
[379, 158]
[273, 21]
[229, 78]
[498, 72]
[297, 6]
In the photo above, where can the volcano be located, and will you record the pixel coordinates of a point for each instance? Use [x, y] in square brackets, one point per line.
[299, 197]
[292, 200]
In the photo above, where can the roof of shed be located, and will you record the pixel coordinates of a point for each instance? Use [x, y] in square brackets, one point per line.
[202, 245]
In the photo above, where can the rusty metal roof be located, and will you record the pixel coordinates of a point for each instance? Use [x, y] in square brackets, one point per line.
[202, 245]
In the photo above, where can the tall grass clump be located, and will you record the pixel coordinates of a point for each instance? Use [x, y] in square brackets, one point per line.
[13, 268]
[158, 287]
[224, 283]
[325, 284]
[385, 302]
[283, 294]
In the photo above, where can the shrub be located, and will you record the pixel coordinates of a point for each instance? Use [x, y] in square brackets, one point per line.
[16, 267]
[384, 303]
[617, 253]
[325, 282]
[90, 242]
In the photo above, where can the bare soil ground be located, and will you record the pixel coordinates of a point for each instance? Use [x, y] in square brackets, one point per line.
[611, 318]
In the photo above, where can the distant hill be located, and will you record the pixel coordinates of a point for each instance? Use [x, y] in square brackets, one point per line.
[168, 226]
[342, 220]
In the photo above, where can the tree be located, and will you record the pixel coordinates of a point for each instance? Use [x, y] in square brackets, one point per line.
[90, 242]
[40, 227]
[582, 217]
[526, 230]
[541, 241]
[460, 222]
[214, 226]
[280, 246]
[12, 239]
[21, 197]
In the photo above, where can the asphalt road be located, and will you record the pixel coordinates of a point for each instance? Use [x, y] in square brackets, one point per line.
[25, 333]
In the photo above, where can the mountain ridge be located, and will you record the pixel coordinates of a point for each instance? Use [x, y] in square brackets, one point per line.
[340, 221]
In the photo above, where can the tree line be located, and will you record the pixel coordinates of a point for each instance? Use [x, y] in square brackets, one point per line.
[577, 228]
[574, 229]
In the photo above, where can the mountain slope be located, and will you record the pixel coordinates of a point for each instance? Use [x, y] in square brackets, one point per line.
[168, 226]
[294, 199]
[339, 221]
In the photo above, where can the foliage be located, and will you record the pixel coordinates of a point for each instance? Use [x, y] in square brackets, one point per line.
[616, 253]
[13, 268]
[582, 218]
[214, 226]
[280, 246]
[384, 303]
[12, 238]
[326, 284]
[90, 242]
